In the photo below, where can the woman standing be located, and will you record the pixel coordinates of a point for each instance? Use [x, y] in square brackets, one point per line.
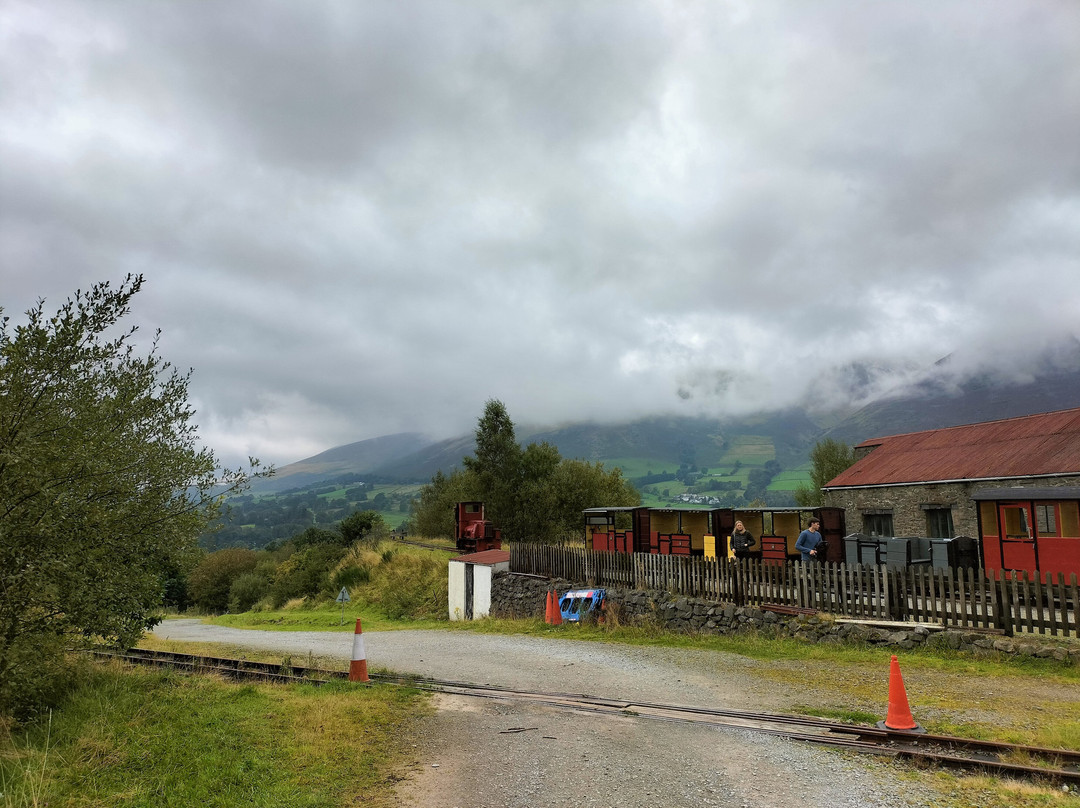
[741, 540]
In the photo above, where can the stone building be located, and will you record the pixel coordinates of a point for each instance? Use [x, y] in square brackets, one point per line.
[1014, 484]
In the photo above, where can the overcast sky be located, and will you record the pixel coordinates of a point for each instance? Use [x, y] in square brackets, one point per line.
[358, 218]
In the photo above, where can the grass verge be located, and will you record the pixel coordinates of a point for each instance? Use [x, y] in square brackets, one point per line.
[328, 617]
[151, 738]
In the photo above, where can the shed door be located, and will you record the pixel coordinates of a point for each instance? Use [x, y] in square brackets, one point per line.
[469, 568]
[1017, 536]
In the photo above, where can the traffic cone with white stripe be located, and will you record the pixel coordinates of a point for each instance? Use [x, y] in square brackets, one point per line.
[899, 717]
[358, 666]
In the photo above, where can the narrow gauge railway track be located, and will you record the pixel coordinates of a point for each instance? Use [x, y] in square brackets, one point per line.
[1055, 765]
[412, 543]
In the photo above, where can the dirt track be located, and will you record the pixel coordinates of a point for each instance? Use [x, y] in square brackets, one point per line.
[493, 753]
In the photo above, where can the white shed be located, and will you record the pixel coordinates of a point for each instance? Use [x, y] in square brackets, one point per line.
[470, 582]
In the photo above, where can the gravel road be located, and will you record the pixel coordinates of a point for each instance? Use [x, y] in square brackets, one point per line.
[483, 752]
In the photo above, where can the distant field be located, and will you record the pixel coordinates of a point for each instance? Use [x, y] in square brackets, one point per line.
[638, 467]
[752, 450]
[789, 480]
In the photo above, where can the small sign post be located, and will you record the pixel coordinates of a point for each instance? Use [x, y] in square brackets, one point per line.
[343, 598]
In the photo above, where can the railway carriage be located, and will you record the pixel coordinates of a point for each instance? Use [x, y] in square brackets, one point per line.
[705, 531]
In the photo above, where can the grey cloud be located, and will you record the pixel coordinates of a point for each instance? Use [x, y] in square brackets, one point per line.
[363, 218]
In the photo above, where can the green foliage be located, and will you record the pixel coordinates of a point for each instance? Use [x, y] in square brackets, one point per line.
[247, 590]
[433, 513]
[256, 521]
[362, 526]
[305, 574]
[759, 479]
[316, 535]
[411, 586]
[212, 579]
[531, 493]
[827, 459]
[301, 567]
[350, 576]
[497, 466]
[103, 486]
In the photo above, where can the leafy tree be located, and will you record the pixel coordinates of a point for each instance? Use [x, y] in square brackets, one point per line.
[316, 535]
[306, 573]
[247, 590]
[578, 485]
[433, 511]
[212, 579]
[103, 487]
[497, 464]
[362, 526]
[828, 458]
[540, 495]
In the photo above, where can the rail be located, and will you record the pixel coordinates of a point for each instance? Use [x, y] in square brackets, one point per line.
[1053, 765]
[1010, 602]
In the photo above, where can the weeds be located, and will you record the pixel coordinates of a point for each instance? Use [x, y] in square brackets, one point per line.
[22, 776]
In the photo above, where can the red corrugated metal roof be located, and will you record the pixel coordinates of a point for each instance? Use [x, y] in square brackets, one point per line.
[1033, 445]
[490, 557]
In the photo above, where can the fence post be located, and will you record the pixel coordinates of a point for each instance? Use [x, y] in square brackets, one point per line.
[1003, 605]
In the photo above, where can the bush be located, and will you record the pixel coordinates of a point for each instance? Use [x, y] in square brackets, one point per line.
[305, 574]
[349, 576]
[210, 583]
[39, 669]
[247, 590]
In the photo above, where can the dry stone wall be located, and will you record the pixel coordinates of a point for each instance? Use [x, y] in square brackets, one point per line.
[519, 596]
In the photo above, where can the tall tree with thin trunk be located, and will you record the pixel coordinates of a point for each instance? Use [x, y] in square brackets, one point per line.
[828, 458]
[497, 464]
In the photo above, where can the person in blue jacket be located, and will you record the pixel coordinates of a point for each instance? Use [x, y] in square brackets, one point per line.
[809, 540]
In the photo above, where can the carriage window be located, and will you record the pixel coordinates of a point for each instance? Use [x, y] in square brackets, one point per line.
[1046, 520]
[1070, 519]
[1015, 518]
[877, 524]
[939, 524]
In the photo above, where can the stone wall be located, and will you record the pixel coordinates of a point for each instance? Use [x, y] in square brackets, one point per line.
[906, 502]
[521, 596]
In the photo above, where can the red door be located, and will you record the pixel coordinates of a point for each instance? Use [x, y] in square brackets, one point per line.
[1017, 536]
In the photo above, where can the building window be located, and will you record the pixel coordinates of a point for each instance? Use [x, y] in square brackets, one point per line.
[877, 524]
[939, 523]
[1046, 521]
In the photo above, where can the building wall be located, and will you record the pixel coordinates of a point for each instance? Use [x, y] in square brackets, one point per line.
[906, 502]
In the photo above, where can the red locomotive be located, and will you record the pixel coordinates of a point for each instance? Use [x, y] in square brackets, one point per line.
[475, 534]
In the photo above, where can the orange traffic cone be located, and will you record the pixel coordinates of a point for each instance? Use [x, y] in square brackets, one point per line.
[556, 612]
[899, 716]
[547, 608]
[358, 666]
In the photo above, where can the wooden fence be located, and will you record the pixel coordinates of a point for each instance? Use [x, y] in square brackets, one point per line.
[1013, 602]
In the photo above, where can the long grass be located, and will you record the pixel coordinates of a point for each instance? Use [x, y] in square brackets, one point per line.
[150, 738]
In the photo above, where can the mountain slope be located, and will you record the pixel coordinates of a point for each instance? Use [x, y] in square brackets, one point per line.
[930, 406]
[938, 400]
[362, 457]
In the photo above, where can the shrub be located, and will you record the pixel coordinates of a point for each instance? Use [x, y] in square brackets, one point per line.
[349, 576]
[305, 574]
[211, 581]
[247, 590]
